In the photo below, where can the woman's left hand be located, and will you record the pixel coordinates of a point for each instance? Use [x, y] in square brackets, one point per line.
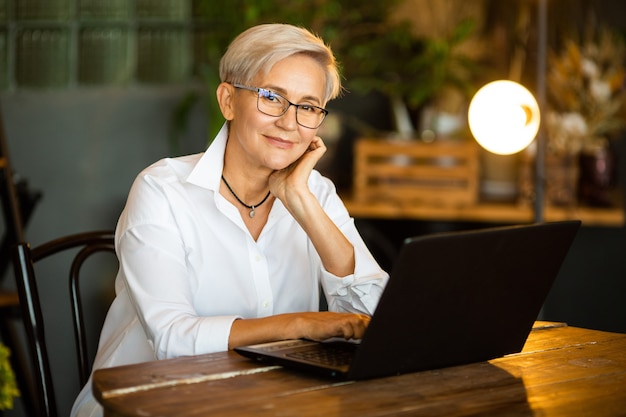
[289, 184]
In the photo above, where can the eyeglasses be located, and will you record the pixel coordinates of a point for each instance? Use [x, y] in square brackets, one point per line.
[273, 104]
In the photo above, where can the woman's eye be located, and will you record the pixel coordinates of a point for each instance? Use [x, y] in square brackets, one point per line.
[308, 109]
[270, 97]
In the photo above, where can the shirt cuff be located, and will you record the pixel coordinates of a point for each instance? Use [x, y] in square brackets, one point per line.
[358, 292]
[214, 333]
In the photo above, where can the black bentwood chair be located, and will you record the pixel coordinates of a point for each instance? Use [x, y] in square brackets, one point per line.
[86, 244]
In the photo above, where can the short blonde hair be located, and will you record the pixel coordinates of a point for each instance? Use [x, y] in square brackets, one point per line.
[257, 49]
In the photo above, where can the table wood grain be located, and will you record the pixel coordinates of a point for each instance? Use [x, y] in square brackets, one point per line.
[562, 371]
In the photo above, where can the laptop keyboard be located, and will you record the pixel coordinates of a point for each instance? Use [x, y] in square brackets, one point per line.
[330, 355]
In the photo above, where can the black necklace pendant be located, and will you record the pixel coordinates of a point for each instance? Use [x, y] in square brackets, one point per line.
[251, 214]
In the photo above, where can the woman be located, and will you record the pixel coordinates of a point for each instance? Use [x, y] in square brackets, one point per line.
[229, 247]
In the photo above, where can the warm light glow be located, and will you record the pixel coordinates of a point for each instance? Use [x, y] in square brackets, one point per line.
[504, 117]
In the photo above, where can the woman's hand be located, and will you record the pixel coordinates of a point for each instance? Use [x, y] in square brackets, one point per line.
[289, 184]
[324, 325]
[309, 325]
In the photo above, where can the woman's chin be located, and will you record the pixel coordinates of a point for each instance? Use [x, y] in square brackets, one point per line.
[279, 164]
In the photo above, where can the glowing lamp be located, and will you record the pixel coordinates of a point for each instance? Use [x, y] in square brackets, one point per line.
[503, 117]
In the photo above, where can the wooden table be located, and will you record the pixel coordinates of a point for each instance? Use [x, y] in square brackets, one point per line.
[562, 371]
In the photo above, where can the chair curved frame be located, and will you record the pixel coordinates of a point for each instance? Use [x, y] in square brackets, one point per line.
[24, 261]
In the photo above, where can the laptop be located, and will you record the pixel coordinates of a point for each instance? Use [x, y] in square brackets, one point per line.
[452, 298]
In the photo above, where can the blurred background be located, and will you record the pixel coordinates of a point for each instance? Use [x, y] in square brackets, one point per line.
[93, 91]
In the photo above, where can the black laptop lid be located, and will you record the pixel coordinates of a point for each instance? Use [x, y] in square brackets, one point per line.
[462, 297]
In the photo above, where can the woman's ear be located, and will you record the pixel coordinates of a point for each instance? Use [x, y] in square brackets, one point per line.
[225, 99]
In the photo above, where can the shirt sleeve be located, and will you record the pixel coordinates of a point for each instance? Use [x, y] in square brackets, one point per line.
[359, 292]
[159, 288]
[154, 271]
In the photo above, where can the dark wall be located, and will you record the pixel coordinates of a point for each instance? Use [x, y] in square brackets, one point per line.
[82, 149]
[591, 288]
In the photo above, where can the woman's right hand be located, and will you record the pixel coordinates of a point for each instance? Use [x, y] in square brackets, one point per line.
[324, 325]
[308, 325]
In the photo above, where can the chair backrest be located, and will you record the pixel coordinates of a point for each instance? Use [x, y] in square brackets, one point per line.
[25, 258]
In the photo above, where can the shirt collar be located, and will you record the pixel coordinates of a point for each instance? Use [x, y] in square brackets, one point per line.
[207, 172]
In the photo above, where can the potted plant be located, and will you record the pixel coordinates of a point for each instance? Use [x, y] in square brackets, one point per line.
[377, 50]
[8, 387]
[586, 94]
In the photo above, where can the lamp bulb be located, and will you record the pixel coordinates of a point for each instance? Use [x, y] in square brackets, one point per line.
[504, 117]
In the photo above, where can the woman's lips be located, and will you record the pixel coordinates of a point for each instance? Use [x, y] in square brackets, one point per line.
[279, 143]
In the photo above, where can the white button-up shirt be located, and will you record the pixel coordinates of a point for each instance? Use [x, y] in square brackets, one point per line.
[189, 266]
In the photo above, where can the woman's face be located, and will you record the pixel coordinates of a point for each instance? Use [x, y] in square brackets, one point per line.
[276, 142]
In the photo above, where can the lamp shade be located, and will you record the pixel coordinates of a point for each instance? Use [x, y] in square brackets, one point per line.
[504, 117]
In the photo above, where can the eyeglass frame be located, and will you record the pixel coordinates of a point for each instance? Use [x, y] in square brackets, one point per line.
[260, 91]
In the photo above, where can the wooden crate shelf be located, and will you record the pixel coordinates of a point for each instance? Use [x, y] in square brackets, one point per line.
[440, 173]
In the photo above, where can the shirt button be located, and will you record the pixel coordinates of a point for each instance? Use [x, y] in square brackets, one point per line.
[266, 304]
[258, 258]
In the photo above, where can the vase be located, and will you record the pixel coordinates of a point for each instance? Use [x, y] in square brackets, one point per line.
[598, 176]
[561, 179]
[402, 118]
[499, 179]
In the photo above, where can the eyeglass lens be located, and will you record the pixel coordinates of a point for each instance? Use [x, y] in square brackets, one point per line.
[273, 104]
